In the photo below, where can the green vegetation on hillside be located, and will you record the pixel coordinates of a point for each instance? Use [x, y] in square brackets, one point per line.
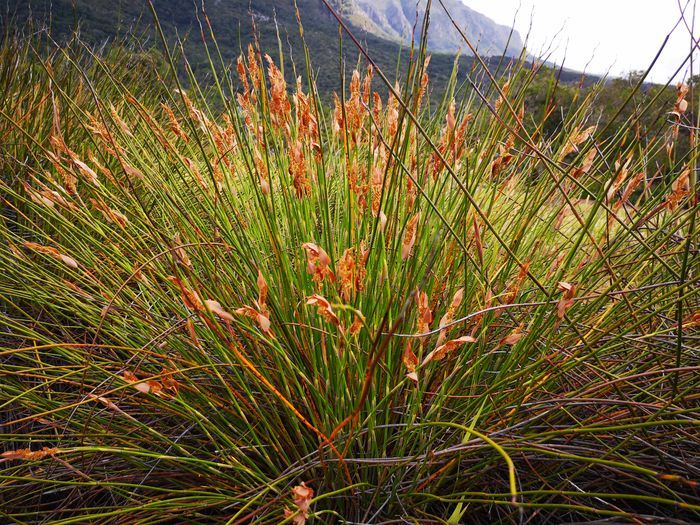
[235, 24]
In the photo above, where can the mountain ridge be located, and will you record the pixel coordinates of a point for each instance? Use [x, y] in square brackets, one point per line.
[397, 20]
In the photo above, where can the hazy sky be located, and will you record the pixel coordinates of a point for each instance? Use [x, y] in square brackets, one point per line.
[600, 35]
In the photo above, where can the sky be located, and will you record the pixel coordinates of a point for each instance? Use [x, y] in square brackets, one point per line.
[601, 36]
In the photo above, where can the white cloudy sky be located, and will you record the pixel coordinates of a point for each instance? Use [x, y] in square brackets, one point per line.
[615, 36]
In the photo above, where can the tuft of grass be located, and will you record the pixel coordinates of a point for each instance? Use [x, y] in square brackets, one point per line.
[432, 316]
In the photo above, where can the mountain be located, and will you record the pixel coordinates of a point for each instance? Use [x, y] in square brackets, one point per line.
[383, 26]
[398, 19]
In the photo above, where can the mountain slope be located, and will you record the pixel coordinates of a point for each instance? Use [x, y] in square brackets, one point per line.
[398, 19]
[102, 21]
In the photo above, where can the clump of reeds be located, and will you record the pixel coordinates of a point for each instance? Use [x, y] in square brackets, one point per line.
[276, 313]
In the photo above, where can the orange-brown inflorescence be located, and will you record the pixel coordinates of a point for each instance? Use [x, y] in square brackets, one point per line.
[26, 454]
[297, 169]
[318, 263]
[352, 271]
[280, 107]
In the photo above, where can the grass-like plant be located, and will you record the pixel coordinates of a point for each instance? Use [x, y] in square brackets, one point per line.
[238, 306]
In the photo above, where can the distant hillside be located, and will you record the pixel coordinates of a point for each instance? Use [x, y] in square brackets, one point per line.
[398, 19]
[103, 21]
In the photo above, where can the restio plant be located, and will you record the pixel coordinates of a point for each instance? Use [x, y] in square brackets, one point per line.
[243, 306]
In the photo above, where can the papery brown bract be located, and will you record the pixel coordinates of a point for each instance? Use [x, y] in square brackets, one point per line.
[504, 157]
[410, 361]
[141, 386]
[261, 166]
[324, 308]
[575, 139]
[423, 82]
[189, 297]
[622, 171]
[631, 186]
[179, 252]
[586, 165]
[52, 252]
[441, 351]
[513, 289]
[681, 104]
[261, 318]
[169, 382]
[47, 197]
[502, 97]
[302, 496]
[318, 262]
[567, 300]
[216, 308]
[262, 289]
[449, 314]
[392, 113]
[307, 125]
[242, 75]
[680, 188]
[425, 314]
[512, 338]
[110, 214]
